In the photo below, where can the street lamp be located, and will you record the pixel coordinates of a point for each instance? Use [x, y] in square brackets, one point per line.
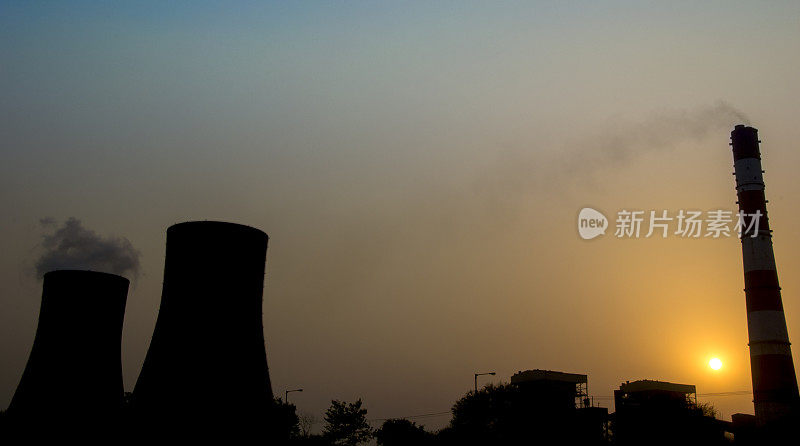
[286, 394]
[481, 374]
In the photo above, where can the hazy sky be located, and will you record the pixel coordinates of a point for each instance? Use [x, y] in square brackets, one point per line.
[419, 167]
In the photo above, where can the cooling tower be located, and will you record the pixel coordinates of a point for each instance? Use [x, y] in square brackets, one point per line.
[775, 394]
[75, 368]
[207, 358]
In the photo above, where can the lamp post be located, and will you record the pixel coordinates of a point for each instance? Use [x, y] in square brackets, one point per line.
[481, 374]
[286, 394]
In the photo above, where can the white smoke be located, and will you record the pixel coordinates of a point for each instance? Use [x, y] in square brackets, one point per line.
[72, 246]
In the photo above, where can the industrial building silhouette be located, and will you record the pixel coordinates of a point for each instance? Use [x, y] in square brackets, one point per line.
[562, 401]
[663, 413]
[207, 358]
[206, 368]
[74, 371]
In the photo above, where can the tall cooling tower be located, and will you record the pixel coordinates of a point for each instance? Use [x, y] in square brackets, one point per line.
[75, 367]
[207, 357]
[775, 394]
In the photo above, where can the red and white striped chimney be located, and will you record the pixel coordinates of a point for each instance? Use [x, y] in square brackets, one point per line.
[775, 394]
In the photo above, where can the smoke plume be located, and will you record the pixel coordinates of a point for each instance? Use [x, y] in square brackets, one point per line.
[663, 130]
[73, 246]
[520, 173]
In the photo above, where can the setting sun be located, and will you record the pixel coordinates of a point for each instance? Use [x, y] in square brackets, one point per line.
[715, 363]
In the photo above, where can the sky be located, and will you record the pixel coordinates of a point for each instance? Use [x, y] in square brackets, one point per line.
[419, 168]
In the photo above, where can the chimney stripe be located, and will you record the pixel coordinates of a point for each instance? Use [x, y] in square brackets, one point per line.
[748, 174]
[775, 394]
[767, 326]
[758, 253]
[760, 299]
[769, 348]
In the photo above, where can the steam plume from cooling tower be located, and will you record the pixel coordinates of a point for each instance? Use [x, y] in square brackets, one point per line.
[73, 246]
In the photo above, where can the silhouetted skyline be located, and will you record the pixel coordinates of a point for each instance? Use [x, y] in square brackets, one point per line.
[419, 168]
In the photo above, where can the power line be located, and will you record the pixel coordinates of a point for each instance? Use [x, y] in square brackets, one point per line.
[731, 393]
[728, 393]
[423, 415]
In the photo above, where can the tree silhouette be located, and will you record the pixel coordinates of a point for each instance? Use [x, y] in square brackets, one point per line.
[708, 410]
[346, 423]
[307, 421]
[284, 422]
[402, 432]
[492, 415]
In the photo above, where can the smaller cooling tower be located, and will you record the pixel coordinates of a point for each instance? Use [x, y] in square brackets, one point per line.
[75, 368]
[207, 359]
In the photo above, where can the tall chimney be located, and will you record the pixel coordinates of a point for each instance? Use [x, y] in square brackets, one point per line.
[775, 392]
[75, 367]
[207, 358]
